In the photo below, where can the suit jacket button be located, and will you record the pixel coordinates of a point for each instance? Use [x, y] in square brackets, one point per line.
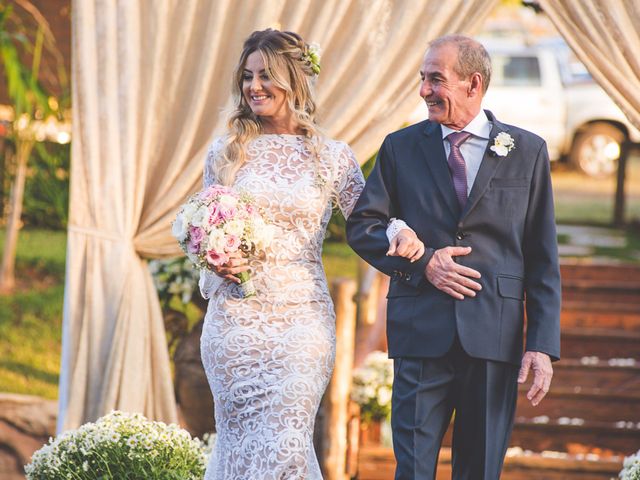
[408, 276]
[460, 235]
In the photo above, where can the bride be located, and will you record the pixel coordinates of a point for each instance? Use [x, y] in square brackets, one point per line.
[268, 358]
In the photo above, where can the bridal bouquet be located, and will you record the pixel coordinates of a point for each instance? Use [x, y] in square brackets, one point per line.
[217, 222]
[121, 445]
[372, 386]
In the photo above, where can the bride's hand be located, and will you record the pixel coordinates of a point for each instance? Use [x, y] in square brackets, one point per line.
[237, 263]
[406, 244]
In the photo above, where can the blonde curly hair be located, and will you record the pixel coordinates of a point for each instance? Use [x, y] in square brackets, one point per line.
[288, 64]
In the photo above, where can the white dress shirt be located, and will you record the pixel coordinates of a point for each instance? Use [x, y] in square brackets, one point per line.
[473, 149]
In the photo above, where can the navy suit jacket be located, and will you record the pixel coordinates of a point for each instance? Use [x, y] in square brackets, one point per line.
[509, 223]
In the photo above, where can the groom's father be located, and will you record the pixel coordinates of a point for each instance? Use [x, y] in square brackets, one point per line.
[478, 193]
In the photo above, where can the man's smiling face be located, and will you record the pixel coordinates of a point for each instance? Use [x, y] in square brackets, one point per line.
[446, 94]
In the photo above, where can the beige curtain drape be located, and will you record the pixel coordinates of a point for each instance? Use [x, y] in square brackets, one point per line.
[605, 35]
[150, 79]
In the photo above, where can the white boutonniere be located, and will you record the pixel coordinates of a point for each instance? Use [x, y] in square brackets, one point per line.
[503, 143]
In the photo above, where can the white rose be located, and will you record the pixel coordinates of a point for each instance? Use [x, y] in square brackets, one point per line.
[505, 139]
[234, 227]
[199, 217]
[179, 228]
[188, 210]
[216, 241]
[500, 150]
[228, 200]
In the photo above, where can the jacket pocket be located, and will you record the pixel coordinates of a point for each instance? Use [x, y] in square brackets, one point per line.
[399, 289]
[511, 287]
[510, 182]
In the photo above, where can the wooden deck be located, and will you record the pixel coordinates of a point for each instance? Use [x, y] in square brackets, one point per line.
[377, 463]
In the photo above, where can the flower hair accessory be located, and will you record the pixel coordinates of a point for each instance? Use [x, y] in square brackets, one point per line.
[312, 56]
[503, 143]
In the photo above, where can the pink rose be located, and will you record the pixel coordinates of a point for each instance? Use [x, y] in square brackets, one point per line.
[232, 243]
[193, 247]
[227, 212]
[216, 259]
[215, 214]
[213, 191]
[196, 235]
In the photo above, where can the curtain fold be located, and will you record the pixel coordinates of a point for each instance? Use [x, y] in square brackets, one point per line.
[605, 37]
[150, 82]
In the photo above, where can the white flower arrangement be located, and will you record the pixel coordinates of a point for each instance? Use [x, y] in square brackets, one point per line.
[121, 445]
[503, 143]
[372, 386]
[631, 467]
[175, 277]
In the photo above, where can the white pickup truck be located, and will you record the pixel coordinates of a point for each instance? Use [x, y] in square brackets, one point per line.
[543, 88]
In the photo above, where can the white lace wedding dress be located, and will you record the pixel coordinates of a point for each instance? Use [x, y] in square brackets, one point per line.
[269, 358]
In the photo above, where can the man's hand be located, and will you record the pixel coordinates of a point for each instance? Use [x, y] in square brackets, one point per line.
[406, 244]
[450, 277]
[236, 264]
[540, 363]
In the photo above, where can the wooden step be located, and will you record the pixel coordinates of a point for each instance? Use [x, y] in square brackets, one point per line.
[609, 284]
[583, 271]
[590, 436]
[619, 284]
[599, 294]
[576, 314]
[538, 434]
[378, 463]
[589, 373]
[599, 342]
[582, 403]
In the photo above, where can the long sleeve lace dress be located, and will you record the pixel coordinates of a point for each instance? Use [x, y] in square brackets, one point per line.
[268, 358]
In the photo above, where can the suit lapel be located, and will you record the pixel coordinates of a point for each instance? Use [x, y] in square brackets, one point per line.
[488, 167]
[433, 153]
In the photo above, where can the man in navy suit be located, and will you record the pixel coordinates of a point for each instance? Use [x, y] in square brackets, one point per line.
[478, 194]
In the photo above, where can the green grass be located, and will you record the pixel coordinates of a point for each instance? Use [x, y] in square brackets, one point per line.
[339, 260]
[594, 210]
[583, 200]
[31, 318]
[629, 254]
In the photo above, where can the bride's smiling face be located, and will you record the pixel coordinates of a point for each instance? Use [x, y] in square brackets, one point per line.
[264, 98]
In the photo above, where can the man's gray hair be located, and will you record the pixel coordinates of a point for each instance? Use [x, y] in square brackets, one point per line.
[472, 57]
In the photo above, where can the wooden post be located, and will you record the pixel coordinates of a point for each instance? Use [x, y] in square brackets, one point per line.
[618, 209]
[7, 268]
[335, 404]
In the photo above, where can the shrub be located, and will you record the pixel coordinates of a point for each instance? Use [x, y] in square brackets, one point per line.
[117, 446]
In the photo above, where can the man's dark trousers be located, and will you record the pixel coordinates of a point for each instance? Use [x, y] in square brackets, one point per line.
[426, 391]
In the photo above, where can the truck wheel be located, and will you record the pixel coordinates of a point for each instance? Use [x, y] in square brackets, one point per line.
[596, 149]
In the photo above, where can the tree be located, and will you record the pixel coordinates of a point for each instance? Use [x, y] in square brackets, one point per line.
[35, 110]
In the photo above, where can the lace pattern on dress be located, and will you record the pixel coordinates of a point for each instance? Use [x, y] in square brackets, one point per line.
[269, 358]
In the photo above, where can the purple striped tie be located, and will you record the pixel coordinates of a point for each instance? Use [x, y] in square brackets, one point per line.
[457, 167]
